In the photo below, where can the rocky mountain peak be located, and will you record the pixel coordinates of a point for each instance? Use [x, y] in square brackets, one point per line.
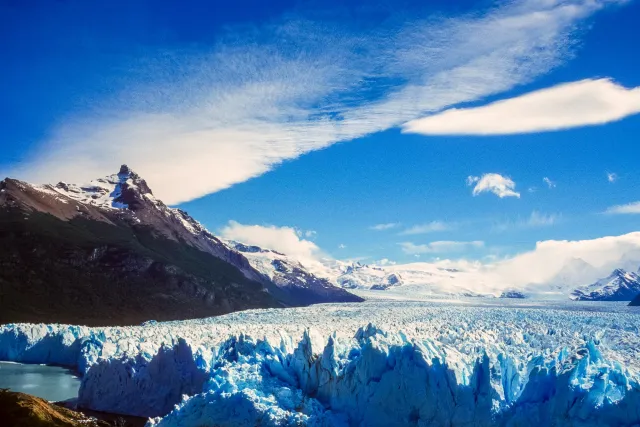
[619, 272]
[124, 170]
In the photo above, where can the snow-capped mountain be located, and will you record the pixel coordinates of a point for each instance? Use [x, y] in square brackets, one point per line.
[620, 285]
[142, 259]
[362, 276]
[418, 279]
[292, 277]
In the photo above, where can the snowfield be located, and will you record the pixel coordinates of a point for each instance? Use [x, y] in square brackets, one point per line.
[380, 363]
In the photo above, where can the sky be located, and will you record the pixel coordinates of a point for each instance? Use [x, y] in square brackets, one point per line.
[387, 130]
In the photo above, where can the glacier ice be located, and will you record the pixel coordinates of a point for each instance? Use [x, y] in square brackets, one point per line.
[379, 363]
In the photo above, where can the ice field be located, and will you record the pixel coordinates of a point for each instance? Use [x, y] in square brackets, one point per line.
[378, 363]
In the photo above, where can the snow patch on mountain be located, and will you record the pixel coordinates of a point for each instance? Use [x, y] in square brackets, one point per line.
[105, 193]
[291, 276]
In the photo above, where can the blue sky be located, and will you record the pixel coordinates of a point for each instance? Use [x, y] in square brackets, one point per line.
[295, 115]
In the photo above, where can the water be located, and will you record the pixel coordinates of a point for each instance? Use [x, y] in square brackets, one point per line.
[52, 383]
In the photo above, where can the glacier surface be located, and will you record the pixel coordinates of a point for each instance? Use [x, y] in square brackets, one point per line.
[379, 363]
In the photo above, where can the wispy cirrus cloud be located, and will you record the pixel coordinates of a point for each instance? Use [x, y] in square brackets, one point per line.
[384, 226]
[501, 186]
[550, 184]
[582, 103]
[628, 209]
[535, 220]
[270, 93]
[430, 227]
[440, 247]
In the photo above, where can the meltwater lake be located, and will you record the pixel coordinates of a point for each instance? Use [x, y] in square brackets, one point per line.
[52, 383]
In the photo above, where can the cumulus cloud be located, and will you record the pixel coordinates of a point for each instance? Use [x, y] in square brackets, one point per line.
[629, 208]
[430, 227]
[549, 183]
[286, 240]
[495, 183]
[196, 123]
[550, 257]
[581, 103]
[443, 246]
[385, 226]
[551, 264]
[612, 177]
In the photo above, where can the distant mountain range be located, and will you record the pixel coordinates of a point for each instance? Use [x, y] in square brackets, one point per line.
[111, 253]
[620, 285]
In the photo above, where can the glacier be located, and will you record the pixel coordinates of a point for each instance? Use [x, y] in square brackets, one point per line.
[378, 363]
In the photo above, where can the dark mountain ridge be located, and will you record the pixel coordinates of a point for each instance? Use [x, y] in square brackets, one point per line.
[110, 253]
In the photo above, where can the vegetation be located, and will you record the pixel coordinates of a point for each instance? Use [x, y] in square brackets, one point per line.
[94, 273]
[24, 410]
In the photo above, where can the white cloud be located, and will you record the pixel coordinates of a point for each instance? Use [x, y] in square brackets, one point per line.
[444, 246]
[342, 246]
[535, 220]
[538, 219]
[549, 183]
[629, 208]
[581, 103]
[533, 269]
[612, 177]
[497, 184]
[549, 257]
[552, 267]
[386, 226]
[430, 227]
[286, 240]
[198, 123]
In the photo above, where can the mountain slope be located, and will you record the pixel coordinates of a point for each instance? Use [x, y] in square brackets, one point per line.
[295, 281]
[110, 253]
[22, 410]
[620, 285]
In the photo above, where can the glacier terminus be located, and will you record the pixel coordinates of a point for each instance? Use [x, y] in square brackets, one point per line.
[378, 363]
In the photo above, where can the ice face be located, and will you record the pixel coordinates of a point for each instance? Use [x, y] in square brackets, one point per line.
[416, 363]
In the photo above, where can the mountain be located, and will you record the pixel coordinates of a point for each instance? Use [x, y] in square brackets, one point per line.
[620, 285]
[111, 253]
[292, 277]
[574, 273]
[636, 301]
[512, 293]
[421, 279]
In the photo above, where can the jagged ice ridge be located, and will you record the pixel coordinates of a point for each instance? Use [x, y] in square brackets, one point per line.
[423, 364]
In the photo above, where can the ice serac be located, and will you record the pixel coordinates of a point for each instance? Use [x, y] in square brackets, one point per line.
[620, 285]
[428, 365]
